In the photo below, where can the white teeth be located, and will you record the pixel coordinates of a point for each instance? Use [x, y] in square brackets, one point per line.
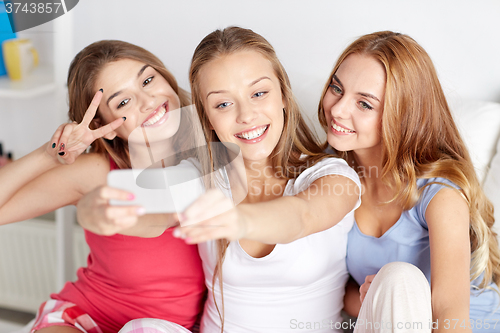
[340, 129]
[250, 135]
[157, 117]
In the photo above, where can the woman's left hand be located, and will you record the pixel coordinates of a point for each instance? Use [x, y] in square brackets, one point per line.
[365, 286]
[211, 216]
[71, 140]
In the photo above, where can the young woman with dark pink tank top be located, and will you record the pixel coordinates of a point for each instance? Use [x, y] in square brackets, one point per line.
[126, 277]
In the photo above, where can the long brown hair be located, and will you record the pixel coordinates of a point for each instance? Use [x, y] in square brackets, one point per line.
[427, 143]
[83, 73]
[296, 138]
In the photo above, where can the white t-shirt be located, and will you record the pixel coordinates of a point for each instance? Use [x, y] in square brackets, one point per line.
[298, 287]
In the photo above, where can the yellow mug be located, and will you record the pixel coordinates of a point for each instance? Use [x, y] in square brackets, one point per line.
[20, 57]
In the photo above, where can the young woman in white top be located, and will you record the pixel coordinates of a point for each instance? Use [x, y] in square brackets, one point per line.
[280, 262]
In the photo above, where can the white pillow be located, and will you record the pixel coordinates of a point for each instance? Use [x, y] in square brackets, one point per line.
[479, 125]
[491, 186]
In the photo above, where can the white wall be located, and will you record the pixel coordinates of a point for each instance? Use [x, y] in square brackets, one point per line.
[461, 36]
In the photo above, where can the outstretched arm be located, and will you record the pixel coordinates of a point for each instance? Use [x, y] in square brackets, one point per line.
[282, 220]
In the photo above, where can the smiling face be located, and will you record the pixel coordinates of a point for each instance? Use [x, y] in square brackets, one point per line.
[242, 99]
[138, 92]
[353, 104]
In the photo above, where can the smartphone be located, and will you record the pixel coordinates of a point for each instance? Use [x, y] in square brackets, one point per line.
[162, 190]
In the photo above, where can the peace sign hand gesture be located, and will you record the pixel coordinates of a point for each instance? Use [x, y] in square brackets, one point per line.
[70, 140]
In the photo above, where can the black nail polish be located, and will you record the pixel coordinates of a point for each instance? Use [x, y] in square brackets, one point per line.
[62, 153]
[53, 145]
[101, 90]
[124, 118]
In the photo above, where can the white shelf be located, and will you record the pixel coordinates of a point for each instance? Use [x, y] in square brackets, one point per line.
[39, 82]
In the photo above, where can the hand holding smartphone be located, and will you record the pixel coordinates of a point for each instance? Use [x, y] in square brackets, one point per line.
[163, 190]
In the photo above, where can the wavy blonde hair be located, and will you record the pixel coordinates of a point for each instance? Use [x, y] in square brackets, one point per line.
[82, 76]
[428, 143]
[296, 138]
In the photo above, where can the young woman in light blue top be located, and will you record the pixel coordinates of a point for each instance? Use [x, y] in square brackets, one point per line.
[385, 113]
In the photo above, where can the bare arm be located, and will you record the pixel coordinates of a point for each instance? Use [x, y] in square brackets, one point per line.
[18, 174]
[281, 220]
[48, 178]
[60, 186]
[448, 220]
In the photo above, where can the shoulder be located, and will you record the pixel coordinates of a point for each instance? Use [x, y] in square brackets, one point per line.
[437, 183]
[435, 190]
[429, 187]
[326, 167]
[96, 162]
[330, 172]
[447, 200]
[86, 163]
[91, 170]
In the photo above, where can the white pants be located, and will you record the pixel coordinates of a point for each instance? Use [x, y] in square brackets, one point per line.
[151, 325]
[398, 300]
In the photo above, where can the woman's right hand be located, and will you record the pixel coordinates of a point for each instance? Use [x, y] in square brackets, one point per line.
[70, 140]
[95, 214]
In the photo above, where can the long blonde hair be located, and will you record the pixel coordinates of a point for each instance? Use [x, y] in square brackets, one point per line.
[296, 138]
[82, 75]
[427, 143]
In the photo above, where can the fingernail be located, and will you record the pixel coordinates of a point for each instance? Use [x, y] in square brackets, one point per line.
[130, 196]
[177, 233]
[101, 90]
[61, 147]
[54, 145]
[62, 153]
[124, 118]
[141, 211]
[188, 240]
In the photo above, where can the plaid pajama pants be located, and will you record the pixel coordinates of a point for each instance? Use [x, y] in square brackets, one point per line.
[54, 312]
[60, 313]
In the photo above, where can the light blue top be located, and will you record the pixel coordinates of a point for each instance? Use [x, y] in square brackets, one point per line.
[408, 241]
